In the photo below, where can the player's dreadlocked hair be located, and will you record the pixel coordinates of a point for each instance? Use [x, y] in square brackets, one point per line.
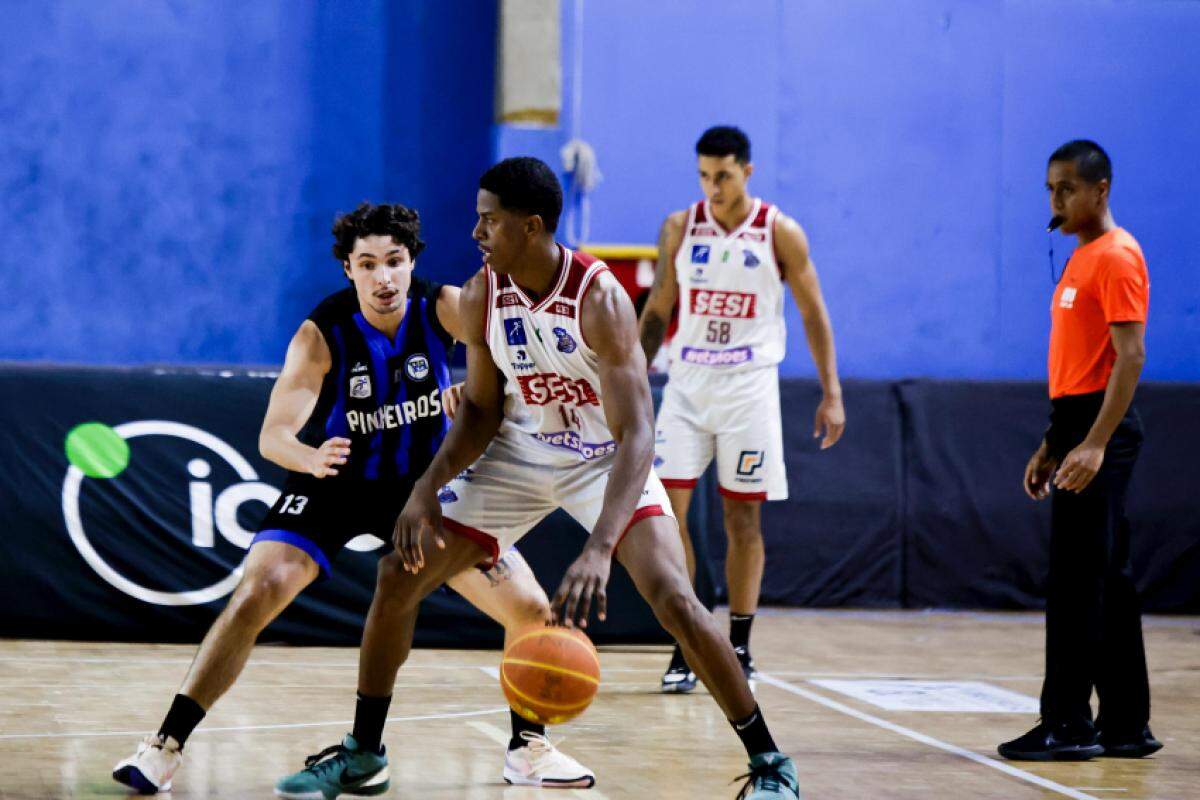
[401, 223]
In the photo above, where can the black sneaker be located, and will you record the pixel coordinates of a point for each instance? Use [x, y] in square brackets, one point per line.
[679, 678]
[1139, 745]
[1053, 743]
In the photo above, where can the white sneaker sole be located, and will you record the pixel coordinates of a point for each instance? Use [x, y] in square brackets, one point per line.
[517, 779]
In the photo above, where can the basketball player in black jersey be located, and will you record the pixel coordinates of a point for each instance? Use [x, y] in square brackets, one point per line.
[356, 415]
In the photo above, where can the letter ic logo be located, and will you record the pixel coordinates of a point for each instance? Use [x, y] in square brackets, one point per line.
[133, 524]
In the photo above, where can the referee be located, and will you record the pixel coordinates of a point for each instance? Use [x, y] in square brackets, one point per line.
[1097, 348]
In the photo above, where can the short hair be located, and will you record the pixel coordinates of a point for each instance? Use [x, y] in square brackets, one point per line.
[401, 223]
[528, 185]
[724, 140]
[1091, 162]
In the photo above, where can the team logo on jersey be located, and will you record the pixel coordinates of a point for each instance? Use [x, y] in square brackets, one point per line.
[700, 253]
[416, 367]
[698, 275]
[566, 344]
[447, 495]
[360, 386]
[750, 461]
[514, 331]
[717, 303]
[547, 387]
[358, 367]
[561, 309]
[749, 259]
[1068, 297]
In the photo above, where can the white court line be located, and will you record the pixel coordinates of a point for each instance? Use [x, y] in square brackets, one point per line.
[283, 726]
[1008, 769]
[940, 676]
[490, 731]
[494, 672]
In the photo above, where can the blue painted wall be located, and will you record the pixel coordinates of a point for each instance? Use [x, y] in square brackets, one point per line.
[910, 140]
[170, 171]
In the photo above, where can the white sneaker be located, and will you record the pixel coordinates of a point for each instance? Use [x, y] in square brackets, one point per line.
[149, 770]
[539, 763]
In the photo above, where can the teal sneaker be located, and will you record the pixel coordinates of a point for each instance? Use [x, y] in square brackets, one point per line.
[772, 776]
[337, 770]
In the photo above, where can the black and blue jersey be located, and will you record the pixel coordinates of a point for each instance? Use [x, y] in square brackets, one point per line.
[384, 395]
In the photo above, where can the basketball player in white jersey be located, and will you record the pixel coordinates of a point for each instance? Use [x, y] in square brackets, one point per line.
[726, 260]
[556, 413]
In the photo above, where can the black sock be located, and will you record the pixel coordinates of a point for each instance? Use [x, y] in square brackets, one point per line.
[739, 630]
[520, 724]
[370, 713]
[183, 717]
[754, 734]
[677, 659]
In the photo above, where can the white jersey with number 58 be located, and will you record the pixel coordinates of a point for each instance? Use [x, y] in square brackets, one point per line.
[730, 293]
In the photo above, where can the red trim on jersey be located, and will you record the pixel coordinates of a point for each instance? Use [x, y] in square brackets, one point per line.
[487, 307]
[645, 512]
[564, 269]
[749, 496]
[484, 540]
[775, 250]
[580, 263]
[582, 294]
[680, 483]
[700, 216]
[760, 219]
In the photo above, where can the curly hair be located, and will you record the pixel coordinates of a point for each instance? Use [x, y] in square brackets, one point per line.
[401, 223]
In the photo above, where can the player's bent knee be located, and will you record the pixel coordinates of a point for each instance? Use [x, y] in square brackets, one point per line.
[678, 610]
[263, 593]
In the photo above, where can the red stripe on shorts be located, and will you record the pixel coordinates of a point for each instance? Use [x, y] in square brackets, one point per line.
[484, 540]
[642, 513]
[679, 483]
[732, 495]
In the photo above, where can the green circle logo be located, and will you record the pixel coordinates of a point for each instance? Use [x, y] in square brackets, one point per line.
[97, 450]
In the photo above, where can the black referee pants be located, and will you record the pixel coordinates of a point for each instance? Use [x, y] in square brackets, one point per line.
[1093, 615]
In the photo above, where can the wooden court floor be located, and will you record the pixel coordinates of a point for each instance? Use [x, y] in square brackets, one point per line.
[69, 710]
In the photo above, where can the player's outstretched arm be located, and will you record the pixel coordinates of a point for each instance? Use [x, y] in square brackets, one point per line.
[608, 325]
[660, 304]
[292, 400]
[791, 249]
[476, 421]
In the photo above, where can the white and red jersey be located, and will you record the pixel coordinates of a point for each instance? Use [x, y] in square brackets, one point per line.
[552, 409]
[730, 293]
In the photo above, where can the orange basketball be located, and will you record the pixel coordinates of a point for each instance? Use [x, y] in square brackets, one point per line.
[550, 674]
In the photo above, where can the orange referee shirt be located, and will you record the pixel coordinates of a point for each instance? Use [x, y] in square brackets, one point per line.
[1105, 282]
